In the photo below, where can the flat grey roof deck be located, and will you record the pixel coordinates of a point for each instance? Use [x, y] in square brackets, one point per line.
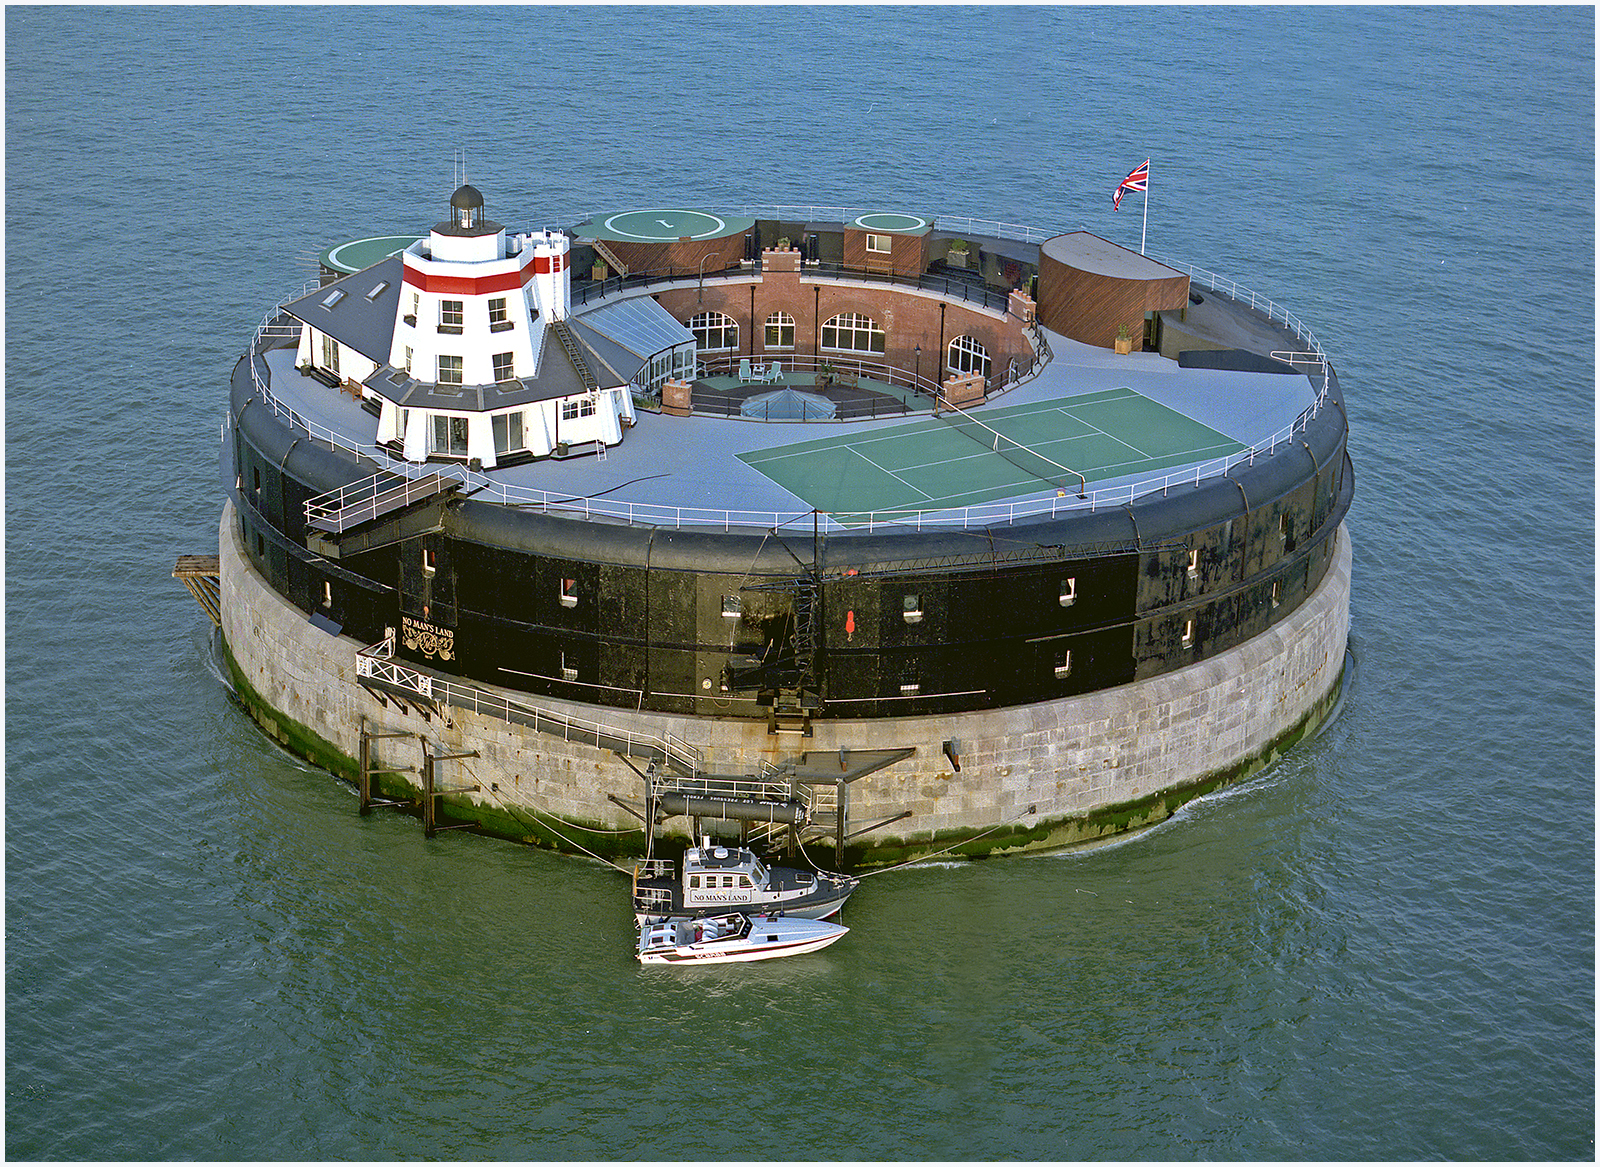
[693, 463]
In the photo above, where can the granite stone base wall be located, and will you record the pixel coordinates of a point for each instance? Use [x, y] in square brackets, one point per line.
[1033, 776]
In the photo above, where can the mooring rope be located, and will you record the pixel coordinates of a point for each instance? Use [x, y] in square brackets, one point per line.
[920, 858]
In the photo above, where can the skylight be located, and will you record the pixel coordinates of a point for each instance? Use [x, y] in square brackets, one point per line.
[378, 290]
[334, 298]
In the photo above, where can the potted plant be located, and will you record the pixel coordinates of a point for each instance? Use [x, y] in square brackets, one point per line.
[960, 249]
[783, 243]
[825, 374]
[600, 270]
[1124, 341]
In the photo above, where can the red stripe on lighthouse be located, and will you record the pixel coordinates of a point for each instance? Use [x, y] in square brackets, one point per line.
[470, 285]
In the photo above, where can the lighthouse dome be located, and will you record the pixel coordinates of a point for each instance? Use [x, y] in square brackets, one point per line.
[466, 198]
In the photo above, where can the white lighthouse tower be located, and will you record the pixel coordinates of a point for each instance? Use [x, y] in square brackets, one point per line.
[482, 366]
[465, 315]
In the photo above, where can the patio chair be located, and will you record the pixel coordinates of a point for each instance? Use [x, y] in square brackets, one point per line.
[774, 372]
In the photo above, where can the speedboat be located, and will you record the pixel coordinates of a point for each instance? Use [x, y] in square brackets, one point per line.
[732, 938]
[732, 879]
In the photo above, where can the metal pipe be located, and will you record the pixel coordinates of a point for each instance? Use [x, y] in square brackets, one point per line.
[741, 810]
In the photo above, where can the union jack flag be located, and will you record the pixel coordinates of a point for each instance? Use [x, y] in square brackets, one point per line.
[1139, 180]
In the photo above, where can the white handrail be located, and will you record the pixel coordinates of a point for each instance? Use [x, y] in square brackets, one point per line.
[374, 663]
[666, 515]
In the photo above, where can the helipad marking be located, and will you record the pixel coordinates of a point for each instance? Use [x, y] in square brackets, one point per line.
[405, 241]
[891, 222]
[674, 226]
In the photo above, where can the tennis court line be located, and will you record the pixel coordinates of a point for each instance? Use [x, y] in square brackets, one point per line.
[1104, 434]
[890, 473]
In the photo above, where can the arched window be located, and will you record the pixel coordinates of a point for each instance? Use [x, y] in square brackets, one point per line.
[968, 356]
[714, 332]
[853, 333]
[780, 330]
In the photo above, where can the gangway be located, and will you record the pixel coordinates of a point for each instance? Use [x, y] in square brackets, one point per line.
[336, 511]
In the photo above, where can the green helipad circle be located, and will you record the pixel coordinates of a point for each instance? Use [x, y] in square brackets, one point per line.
[889, 221]
[665, 225]
[360, 254]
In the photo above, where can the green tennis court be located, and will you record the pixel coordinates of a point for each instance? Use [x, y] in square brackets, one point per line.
[950, 462]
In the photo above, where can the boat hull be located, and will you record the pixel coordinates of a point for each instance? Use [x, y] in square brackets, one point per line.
[765, 939]
[820, 908]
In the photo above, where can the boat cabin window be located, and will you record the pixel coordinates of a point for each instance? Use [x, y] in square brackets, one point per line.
[744, 881]
[694, 881]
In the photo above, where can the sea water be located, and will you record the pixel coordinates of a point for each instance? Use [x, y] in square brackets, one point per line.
[1382, 947]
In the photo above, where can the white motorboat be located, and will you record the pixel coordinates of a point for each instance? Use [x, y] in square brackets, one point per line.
[717, 879]
[733, 938]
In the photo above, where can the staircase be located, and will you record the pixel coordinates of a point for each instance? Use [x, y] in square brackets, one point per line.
[610, 257]
[569, 342]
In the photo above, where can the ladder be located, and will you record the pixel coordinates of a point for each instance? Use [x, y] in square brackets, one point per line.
[570, 342]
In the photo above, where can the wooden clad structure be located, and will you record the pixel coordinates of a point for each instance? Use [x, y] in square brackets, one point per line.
[1089, 288]
[679, 256]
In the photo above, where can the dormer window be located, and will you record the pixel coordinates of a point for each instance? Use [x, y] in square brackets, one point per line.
[449, 370]
[502, 367]
[450, 315]
[499, 319]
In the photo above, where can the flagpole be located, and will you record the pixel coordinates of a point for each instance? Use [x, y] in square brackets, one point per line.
[1146, 226]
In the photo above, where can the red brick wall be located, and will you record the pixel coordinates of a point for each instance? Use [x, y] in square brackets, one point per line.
[907, 319]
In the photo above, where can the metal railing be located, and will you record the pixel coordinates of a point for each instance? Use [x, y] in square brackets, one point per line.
[665, 515]
[970, 291]
[376, 663]
[360, 502]
[741, 786]
[1242, 295]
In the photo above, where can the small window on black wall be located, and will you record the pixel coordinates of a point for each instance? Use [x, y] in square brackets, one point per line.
[569, 593]
[911, 609]
[1069, 591]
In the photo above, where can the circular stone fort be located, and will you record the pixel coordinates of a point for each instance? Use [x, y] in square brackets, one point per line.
[861, 534]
